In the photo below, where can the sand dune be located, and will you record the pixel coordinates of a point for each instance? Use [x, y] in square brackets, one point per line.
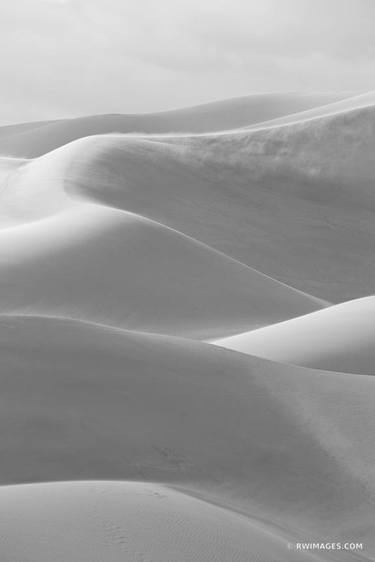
[120, 269]
[296, 202]
[62, 254]
[130, 521]
[339, 338]
[288, 445]
[118, 252]
[350, 103]
[32, 140]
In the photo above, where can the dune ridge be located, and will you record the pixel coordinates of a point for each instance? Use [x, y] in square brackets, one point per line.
[138, 273]
[295, 202]
[339, 338]
[359, 101]
[34, 139]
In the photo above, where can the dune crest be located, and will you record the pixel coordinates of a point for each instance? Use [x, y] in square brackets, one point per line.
[350, 103]
[34, 139]
[339, 338]
[295, 202]
[63, 253]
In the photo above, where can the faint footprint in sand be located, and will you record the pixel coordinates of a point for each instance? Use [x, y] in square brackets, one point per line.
[116, 534]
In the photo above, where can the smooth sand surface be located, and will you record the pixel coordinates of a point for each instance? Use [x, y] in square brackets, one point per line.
[128, 263]
[35, 139]
[331, 108]
[287, 445]
[131, 521]
[62, 254]
[339, 338]
[295, 202]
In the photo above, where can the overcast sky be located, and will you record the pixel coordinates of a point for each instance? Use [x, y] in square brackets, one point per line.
[63, 58]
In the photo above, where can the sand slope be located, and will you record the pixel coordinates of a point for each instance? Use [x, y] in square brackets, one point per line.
[332, 108]
[288, 445]
[32, 140]
[295, 202]
[62, 254]
[130, 521]
[339, 338]
[119, 269]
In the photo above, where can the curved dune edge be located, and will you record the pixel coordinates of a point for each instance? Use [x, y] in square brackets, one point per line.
[295, 202]
[31, 140]
[117, 268]
[84, 401]
[129, 521]
[62, 253]
[338, 338]
[350, 103]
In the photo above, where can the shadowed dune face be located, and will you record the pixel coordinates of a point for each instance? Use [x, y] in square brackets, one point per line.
[288, 445]
[119, 269]
[295, 202]
[63, 255]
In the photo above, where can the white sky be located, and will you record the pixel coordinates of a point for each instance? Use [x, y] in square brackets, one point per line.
[63, 58]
